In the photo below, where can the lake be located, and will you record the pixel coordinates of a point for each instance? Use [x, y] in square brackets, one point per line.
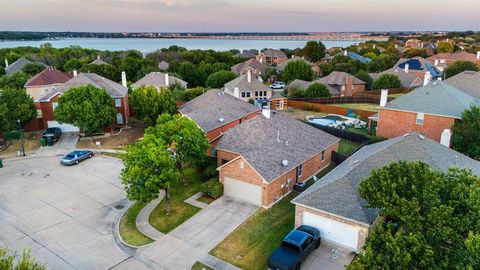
[150, 44]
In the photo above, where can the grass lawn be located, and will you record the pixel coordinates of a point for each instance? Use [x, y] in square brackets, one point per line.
[200, 266]
[359, 106]
[250, 245]
[31, 143]
[346, 147]
[362, 131]
[128, 230]
[302, 114]
[395, 95]
[180, 211]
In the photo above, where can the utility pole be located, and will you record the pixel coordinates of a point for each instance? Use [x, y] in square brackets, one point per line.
[21, 136]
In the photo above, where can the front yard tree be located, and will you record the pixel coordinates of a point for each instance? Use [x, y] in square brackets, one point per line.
[316, 90]
[466, 133]
[314, 51]
[149, 168]
[87, 107]
[148, 103]
[445, 47]
[219, 78]
[15, 104]
[430, 218]
[458, 67]
[297, 69]
[387, 81]
[185, 139]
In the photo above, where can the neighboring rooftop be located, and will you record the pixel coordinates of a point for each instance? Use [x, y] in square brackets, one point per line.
[437, 97]
[98, 61]
[297, 83]
[158, 79]
[163, 66]
[215, 108]
[337, 192]
[281, 67]
[244, 85]
[456, 56]
[407, 79]
[17, 66]
[466, 81]
[417, 64]
[335, 80]
[273, 53]
[357, 57]
[113, 89]
[266, 143]
[49, 76]
[254, 64]
[252, 53]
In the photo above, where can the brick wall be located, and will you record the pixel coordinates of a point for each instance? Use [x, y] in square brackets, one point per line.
[363, 230]
[396, 123]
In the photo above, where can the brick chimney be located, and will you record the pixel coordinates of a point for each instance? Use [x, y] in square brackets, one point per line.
[167, 79]
[75, 73]
[249, 75]
[348, 86]
[124, 79]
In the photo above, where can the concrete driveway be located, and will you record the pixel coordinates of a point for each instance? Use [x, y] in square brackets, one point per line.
[329, 257]
[65, 215]
[66, 144]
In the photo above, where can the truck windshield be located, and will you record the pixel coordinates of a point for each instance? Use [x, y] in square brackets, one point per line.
[290, 246]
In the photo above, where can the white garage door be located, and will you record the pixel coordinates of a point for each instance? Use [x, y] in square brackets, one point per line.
[242, 191]
[332, 230]
[63, 127]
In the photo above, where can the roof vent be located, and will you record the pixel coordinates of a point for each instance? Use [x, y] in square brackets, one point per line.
[221, 120]
[421, 137]
[219, 94]
[355, 161]
[285, 163]
[406, 134]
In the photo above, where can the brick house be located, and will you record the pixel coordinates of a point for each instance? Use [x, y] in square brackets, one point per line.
[216, 112]
[254, 65]
[339, 84]
[261, 160]
[333, 204]
[118, 92]
[271, 57]
[159, 80]
[430, 110]
[46, 82]
[450, 58]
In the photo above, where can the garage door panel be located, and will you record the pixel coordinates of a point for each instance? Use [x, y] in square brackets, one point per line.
[243, 191]
[332, 230]
[63, 127]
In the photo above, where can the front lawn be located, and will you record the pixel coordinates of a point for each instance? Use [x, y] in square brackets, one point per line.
[346, 147]
[180, 211]
[128, 229]
[250, 245]
[359, 106]
[31, 144]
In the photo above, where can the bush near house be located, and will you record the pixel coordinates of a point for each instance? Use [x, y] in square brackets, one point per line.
[212, 188]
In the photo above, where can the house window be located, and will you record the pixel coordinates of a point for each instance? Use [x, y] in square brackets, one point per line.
[300, 170]
[420, 117]
[323, 155]
[118, 102]
[245, 94]
[214, 152]
[54, 105]
[119, 118]
[264, 93]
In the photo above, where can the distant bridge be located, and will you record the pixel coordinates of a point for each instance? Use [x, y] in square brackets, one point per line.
[337, 37]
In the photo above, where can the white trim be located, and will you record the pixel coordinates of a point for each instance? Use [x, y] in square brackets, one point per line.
[335, 215]
[248, 163]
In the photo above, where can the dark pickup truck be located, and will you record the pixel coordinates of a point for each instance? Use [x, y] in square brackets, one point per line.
[295, 248]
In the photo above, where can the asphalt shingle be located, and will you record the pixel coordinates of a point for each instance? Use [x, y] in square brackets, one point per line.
[467, 81]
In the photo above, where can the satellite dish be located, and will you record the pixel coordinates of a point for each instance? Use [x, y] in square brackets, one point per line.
[285, 163]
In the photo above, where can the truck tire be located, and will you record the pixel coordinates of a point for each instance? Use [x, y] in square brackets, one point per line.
[297, 267]
[317, 244]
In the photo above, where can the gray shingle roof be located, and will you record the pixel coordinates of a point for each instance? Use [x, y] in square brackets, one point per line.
[337, 192]
[208, 108]
[113, 89]
[299, 84]
[410, 80]
[241, 68]
[273, 53]
[256, 140]
[98, 61]
[163, 66]
[468, 82]
[438, 98]
[157, 79]
[243, 84]
[339, 78]
[17, 66]
[281, 67]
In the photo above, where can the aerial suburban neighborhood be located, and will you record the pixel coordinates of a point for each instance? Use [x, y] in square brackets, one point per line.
[229, 149]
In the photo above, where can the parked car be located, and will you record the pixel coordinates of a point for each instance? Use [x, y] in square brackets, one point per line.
[277, 85]
[295, 248]
[75, 157]
[53, 133]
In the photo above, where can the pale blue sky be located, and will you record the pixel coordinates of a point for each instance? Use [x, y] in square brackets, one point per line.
[234, 15]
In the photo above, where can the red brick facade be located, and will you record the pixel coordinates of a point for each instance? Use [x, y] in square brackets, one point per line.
[392, 123]
[272, 191]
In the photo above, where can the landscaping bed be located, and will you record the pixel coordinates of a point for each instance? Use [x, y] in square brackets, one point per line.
[180, 211]
[302, 114]
[250, 245]
[128, 228]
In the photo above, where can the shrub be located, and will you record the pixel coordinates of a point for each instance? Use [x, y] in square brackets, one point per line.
[316, 90]
[387, 81]
[193, 93]
[210, 171]
[212, 188]
[297, 93]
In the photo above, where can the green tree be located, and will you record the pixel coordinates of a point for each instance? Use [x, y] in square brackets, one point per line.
[387, 81]
[314, 51]
[445, 47]
[149, 168]
[430, 218]
[15, 104]
[415, 52]
[148, 103]
[194, 92]
[219, 78]
[32, 69]
[458, 67]
[364, 76]
[9, 261]
[298, 69]
[466, 133]
[104, 70]
[17, 80]
[326, 69]
[316, 90]
[87, 107]
[186, 140]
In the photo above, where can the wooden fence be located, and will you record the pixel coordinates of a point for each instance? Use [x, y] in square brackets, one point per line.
[377, 93]
[340, 100]
[311, 106]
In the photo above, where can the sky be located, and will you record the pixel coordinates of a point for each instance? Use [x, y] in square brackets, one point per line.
[238, 15]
